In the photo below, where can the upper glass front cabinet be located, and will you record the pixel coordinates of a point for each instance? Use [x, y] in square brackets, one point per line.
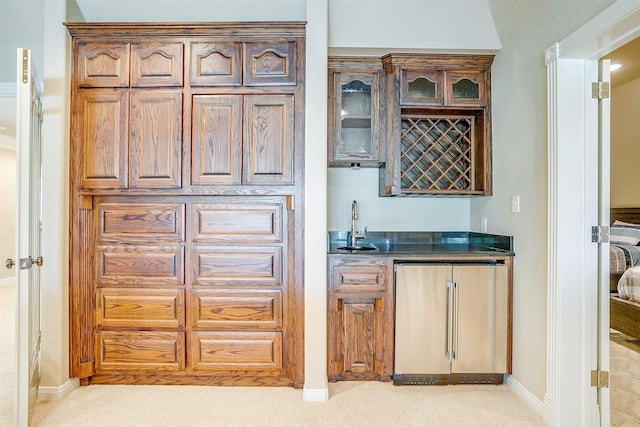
[355, 116]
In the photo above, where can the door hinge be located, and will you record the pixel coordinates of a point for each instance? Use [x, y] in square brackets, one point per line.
[600, 379]
[600, 234]
[600, 90]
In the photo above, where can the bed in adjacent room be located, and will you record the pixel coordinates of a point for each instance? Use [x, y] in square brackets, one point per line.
[625, 271]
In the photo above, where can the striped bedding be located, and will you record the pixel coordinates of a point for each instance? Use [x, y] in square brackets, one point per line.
[623, 257]
[629, 284]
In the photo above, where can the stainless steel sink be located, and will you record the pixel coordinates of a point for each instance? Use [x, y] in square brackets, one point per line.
[366, 247]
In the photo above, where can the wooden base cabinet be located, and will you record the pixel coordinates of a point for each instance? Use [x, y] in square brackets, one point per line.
[187, 203]
[360, 319]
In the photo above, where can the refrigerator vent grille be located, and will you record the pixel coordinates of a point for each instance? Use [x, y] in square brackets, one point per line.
[420, 379]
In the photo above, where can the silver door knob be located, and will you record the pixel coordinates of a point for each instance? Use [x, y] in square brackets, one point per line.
[9, 263]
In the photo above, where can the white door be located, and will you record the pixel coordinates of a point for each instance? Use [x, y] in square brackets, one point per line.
[28, 223]
[604, 121]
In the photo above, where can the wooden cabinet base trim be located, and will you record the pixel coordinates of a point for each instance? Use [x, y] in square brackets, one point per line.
[239, 379]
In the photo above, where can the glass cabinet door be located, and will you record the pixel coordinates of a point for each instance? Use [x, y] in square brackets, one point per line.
[355, 117]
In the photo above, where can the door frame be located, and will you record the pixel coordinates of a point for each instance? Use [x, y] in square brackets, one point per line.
[572, 209]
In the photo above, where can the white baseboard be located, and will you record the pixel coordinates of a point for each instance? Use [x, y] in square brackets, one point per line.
[536, 404]
[315, 395]
[6, 282]
[59, 392]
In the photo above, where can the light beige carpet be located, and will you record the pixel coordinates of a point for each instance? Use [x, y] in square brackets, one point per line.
[624, 381]
[351, 404]
[7, 353]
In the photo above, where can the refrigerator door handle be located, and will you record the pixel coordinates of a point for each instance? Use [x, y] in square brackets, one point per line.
[448, 321]
[456, 305]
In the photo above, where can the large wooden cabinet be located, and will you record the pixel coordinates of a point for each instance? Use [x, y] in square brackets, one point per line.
[186, 203]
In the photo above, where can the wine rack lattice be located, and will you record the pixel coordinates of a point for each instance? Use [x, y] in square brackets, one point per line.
[436, 153]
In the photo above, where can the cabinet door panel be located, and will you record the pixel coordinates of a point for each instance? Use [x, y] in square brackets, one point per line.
[481, 342]
[236, 309]
[141, 221]
[216, 153]
[102, 132]
[140, 265]
[215, 351]
[467, 87]
[269, 136]
[159, 308]
[359, 336]
[237, 220]
[216, 64]
[421, 87]
[140, 350]
[156, 139]
[269, 63]
[239, 265]
[156, 64]
[101, 64]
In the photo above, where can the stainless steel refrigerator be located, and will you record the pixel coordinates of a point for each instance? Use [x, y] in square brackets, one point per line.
[452, 323]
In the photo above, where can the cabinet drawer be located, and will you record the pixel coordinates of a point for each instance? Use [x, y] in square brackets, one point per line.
[229, 309]
[216, 64]
[358, 275]
[238, 221]
[162, 308]
[101, 64]
[216, 351]
[141, 221]
[156, 64]
[248, 265]
[140, 265]
[140, 350]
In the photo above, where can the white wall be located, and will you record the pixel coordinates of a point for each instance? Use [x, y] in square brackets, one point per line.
[625, 145]
[7, 205]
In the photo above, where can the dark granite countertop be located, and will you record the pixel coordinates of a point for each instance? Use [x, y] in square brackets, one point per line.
[440, 243]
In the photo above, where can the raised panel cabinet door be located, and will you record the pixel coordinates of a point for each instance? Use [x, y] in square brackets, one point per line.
[216, 64]
[101, 136]
[216, 140]
[98, 64]
[140, 308]
[269, 140]
[269, 63]
[358, 336]
[156, 139]
[237, 266]
[157, 64]
[117, 221]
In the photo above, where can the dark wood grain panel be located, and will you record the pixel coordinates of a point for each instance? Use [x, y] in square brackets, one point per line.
[216, 153]
[269, 137]
[150, 308]
[103, 138]
[164, 221]
[269, 63]
[239, 220]
[98, 64]
[216, 64]
[229, 309]
[140, 350]
[156, 139]
[224, 265]
[140, 265]
[157, 64]
[215, 351]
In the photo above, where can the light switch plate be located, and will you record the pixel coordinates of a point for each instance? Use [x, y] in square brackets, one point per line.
[515, 203]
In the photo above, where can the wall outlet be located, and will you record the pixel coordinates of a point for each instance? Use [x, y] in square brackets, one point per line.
[484, 224]
[515, 203]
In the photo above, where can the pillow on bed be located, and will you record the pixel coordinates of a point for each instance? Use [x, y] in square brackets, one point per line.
[624, 233]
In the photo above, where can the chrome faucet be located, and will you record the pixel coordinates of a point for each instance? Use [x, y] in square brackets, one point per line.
[355, 235]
